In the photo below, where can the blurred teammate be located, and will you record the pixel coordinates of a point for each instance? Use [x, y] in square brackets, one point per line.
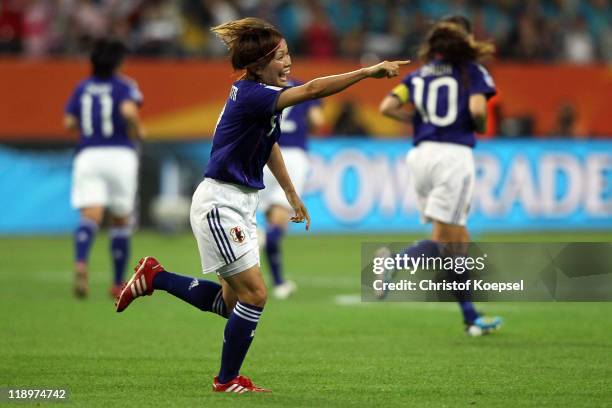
[104, 109]
[449, 94]
[294, 126]
[224, 204]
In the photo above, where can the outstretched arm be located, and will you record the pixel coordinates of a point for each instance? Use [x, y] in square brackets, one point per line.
[329, 85]
[276, 164]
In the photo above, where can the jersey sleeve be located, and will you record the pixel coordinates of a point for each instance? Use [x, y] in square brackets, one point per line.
[261, 100]
[481, 81]
[131, 92]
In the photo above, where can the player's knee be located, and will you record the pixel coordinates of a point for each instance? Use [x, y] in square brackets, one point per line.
[119, 221]
[92, 216]
[256, 296]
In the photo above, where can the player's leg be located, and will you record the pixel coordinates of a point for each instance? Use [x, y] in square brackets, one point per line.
[453, 241]
[90, 196]
[120, 234]
[121, 176]
[214, 246]
[84, 235]
[250, 290]
[229, 296]
[277, 219]
[150, 275]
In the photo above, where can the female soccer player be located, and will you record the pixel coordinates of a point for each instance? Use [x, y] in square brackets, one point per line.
[294, 127]
[449, 94]
[104, 108]
[224, 204]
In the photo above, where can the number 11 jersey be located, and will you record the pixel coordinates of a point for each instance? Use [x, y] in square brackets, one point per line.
[96, 104]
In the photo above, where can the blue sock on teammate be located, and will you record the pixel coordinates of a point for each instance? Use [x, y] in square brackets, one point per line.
[237, 338]
[204, 294]
[429, 248]
[83, 238]
[120, 251]
[469, 312]
[274, 234]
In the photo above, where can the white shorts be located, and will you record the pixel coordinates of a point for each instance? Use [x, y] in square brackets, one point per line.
[223, 222]
[296, 161]
[443, 176]
[107, 177]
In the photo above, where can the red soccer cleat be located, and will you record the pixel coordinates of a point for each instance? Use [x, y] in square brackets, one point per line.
[141, 283]
[238, 385]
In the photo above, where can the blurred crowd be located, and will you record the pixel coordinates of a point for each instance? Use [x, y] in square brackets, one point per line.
[575, 31]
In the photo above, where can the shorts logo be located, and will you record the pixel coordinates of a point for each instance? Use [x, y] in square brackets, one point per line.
[237, 235]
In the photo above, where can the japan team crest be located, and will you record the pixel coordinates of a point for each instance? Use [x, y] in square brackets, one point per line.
[237, 235]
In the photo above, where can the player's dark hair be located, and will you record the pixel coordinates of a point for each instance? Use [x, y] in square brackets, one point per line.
[106, 56]
[251, 42]
[450, 41]
[460, 20]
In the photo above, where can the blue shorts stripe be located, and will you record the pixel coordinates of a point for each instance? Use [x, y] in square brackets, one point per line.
[213, 231]
[219, 229]
[218, 218]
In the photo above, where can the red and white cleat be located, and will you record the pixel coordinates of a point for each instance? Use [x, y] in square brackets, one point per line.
[238, 385]
[141, 283]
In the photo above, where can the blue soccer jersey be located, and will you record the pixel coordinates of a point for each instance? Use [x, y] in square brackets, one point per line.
[96, 104]
[294, 123]
[247, 128]
[440, 93]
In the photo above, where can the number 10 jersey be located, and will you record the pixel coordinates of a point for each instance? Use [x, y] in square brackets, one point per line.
[440, 93]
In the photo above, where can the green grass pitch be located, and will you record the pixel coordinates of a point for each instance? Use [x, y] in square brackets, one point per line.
[312, 350]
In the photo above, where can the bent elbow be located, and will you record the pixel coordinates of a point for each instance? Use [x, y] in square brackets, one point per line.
[384, 109]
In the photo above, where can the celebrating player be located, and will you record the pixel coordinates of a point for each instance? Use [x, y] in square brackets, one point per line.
[449, 94]
[224, 204]
[294, 127]
[104, 109]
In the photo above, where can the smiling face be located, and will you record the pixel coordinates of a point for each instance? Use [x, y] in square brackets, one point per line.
[277, 71]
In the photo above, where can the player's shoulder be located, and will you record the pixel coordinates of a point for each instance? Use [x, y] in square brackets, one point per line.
[127, 86]
[480, 71]
[478, 68]
[251, 91]
[82, 84]
[125, 81]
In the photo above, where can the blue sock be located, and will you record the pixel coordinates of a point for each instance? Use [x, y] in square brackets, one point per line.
[83, 238]
[120, 250]
[469, 312]
[204, 294]
[274, 233]
[464, 297]
[427, 248]
[238, 335]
